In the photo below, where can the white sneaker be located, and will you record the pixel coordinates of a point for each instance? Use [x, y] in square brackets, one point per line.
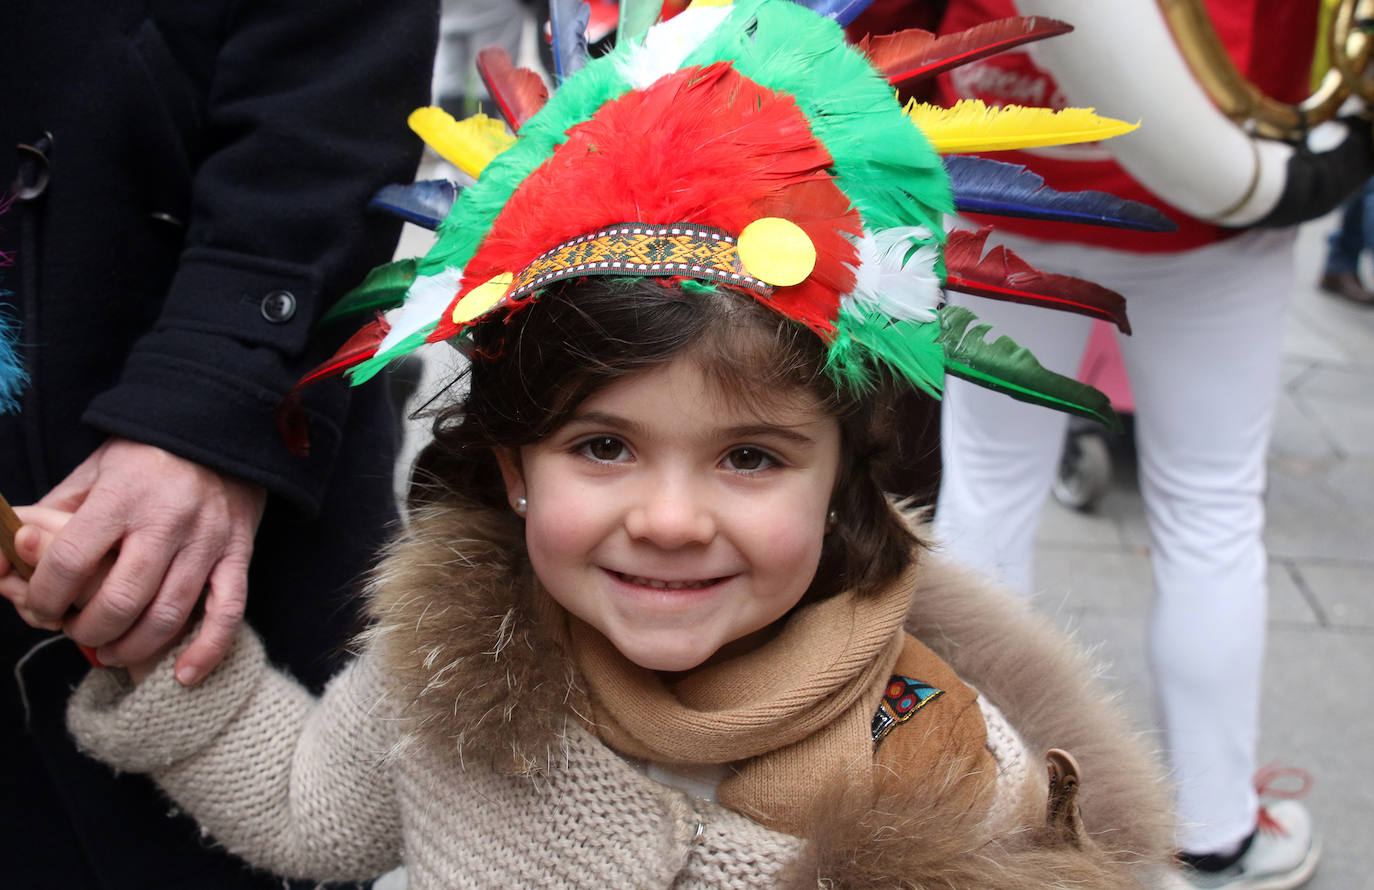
[1283, 854]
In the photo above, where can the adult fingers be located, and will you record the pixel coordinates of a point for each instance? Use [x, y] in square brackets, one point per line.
[70, 565]
[138, 576]
[165, 615]
[225, 602]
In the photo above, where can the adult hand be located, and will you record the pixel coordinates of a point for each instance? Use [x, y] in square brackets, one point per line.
[176, 529]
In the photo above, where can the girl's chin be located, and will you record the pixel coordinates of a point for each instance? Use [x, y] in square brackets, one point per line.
[664, 661]
[670, 660]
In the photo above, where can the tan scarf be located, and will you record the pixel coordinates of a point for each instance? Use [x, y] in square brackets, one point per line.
[791, 716]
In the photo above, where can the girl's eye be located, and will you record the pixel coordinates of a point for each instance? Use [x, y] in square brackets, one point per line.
[603, 448]
[749, 459]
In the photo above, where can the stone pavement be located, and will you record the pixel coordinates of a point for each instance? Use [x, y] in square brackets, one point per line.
[1093, 572]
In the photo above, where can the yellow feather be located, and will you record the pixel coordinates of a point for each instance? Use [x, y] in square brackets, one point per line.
[971, 126]
[469, 144]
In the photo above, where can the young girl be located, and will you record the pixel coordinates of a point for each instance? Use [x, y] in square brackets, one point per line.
[653, 621]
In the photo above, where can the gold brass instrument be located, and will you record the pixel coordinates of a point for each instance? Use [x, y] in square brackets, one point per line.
[1244, 103]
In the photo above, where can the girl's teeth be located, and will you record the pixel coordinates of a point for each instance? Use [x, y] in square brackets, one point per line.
[664, 585]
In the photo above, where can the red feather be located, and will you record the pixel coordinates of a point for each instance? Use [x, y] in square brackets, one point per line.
[518, 92]
[915, 53]
[1002, 275]
[703, 145]
[292, 424]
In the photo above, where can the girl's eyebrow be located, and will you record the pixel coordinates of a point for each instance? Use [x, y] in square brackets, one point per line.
[601, 418]
[765, 429]
[744, 431]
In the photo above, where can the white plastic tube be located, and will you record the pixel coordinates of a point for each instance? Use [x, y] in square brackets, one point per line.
[1122, 60]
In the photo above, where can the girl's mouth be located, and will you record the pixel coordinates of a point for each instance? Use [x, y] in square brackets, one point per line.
[659, 584]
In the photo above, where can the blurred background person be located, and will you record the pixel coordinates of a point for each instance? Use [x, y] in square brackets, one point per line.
[1350, 240]
[1207, 306]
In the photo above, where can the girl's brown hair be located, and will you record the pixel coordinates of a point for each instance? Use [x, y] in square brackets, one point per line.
[530, 371]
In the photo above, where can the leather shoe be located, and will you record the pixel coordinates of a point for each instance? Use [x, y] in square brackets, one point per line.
[1347, 285]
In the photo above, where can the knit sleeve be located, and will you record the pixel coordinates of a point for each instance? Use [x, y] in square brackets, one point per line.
[291, 784]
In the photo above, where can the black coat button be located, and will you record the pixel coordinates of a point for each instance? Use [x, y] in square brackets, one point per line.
[279, 306]
[31, 176]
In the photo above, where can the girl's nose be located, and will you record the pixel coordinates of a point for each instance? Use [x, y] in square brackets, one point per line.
[670, 514]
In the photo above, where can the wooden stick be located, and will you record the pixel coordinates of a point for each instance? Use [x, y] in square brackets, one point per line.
[11, 523]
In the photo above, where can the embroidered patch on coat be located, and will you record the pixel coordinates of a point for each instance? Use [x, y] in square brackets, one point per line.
[902, 698]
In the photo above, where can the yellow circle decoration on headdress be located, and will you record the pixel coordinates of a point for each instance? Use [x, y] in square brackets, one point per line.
[777, 251]
[481, 298]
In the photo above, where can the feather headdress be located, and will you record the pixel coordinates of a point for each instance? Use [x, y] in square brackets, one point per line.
[748, 144]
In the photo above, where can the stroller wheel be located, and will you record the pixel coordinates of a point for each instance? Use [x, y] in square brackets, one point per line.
[1085, 470]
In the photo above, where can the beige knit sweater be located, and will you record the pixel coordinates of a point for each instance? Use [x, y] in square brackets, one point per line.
[319, 791]
[411, 758]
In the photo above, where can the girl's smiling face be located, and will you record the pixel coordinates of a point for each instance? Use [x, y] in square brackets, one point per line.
[675, 519]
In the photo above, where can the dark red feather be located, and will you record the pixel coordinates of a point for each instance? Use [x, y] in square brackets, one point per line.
[292, 424]
[518, 92]
[1002, 275]
[914, 53]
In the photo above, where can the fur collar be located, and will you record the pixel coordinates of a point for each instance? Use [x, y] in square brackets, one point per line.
[454, 624]
[479, 680]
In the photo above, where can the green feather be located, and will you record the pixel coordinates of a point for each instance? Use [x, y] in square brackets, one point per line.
[383, 288]
[1007, 368]
[864, 338]
[636, 17]
[365, 371]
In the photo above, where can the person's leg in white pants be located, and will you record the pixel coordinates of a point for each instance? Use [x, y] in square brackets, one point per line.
[1204, 371]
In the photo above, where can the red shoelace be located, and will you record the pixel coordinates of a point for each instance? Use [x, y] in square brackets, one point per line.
[1275, 781]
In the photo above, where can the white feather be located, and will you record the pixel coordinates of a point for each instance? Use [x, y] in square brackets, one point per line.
[668, 44]
[891, 282]
[426, 300]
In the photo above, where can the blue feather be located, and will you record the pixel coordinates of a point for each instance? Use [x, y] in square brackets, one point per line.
[13, 377]
[425, 203]
[842, 11]
[568, 20]
[981, 185]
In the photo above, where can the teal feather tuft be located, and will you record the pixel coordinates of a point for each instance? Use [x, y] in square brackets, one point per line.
[866, 340]
[13, 377]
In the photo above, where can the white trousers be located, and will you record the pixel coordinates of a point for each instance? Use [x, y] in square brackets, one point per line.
[1204, 369]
